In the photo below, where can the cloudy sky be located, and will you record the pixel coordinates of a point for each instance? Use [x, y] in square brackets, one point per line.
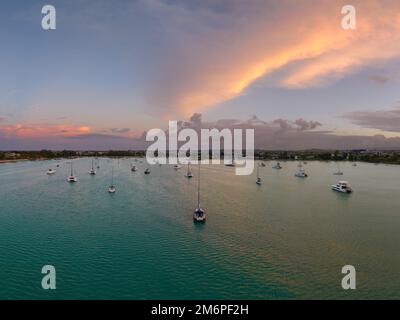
[114, 69]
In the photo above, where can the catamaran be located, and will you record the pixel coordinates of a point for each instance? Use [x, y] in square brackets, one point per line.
[301, 173]
[72, 178]
[199, 215]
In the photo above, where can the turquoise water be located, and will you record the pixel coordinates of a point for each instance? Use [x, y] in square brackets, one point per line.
[288, 238]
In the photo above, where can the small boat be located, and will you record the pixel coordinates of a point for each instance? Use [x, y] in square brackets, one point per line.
[342, 186]
[147, 171]
[232, 163]
[133, 168]
[72, 178]
[277, 166]
[354, 164]
[301, 174]
[111, 188]
[258, 180]
[176, 167]
[262, 164]
[51, 171]
[199, 215]
[92, 171]
[338, 172]
[188, 173]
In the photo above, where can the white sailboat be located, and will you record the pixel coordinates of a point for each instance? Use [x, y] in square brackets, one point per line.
[232, 163]
[199, 215]
[111, 188]
[92, 171]
[338, 172]
[188, 173]
[258, 180]
[277, 166]
[72, 178]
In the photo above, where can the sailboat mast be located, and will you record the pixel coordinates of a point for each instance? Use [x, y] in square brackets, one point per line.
[198, 188]
[72, 173]
[92, 164]
[112, 176]
[258, 171]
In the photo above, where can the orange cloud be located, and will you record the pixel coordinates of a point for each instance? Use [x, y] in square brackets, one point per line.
[43, 130]
[303, 41]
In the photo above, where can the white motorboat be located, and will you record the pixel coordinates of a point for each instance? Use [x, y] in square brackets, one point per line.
[342, 186]
[50, 172]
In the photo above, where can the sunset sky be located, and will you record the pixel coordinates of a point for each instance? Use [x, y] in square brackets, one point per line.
[114, 69]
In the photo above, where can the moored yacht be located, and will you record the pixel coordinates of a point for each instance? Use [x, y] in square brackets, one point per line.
[301, 174]
[147, 171]
[92, 171]
[277, 166]
[189, 173]
[258, 179]
[51, 171]
[111, 188]
[199, 215]
[72, 178]
[342, 186]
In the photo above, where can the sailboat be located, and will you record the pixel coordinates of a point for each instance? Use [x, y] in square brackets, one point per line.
[277, 166]
[72, 178]
[338, 172]
[92, 171]
[111, 188]
[258, 180]
[188, 173]
[231, 164]
[199, 215]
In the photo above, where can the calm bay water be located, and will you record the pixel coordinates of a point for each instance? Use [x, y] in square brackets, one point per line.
[288, 238]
